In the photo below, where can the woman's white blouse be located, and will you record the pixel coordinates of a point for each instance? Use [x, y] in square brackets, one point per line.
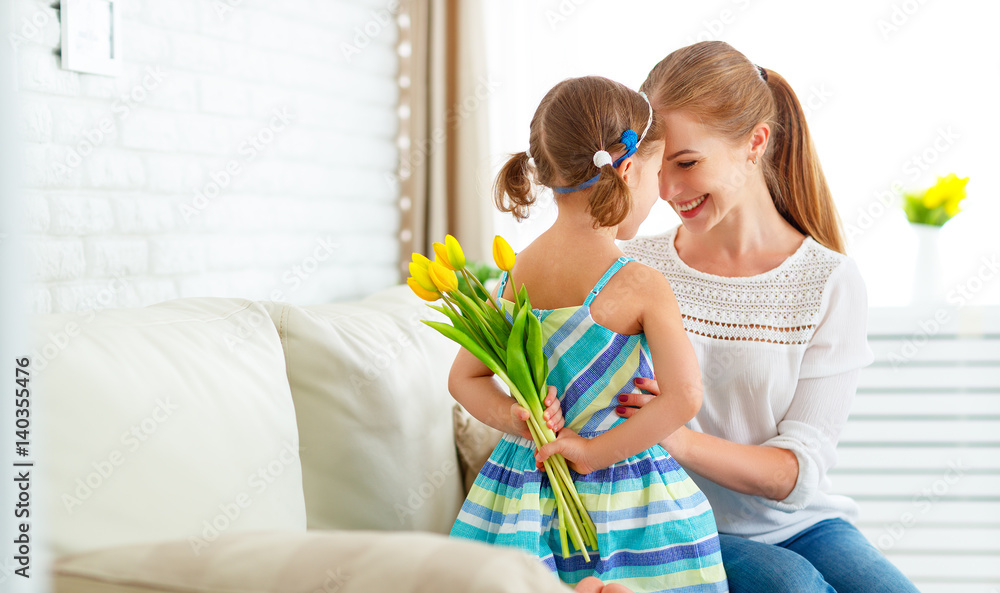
[780, 355]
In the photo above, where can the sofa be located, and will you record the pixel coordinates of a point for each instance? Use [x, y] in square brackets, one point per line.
[225, 444]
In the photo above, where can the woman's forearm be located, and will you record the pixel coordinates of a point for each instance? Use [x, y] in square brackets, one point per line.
[770, 472]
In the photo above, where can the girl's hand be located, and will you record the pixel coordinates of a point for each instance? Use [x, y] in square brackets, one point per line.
[628, 403]
[553, 415]
[553, 411]
[519, 420]
[575, 448]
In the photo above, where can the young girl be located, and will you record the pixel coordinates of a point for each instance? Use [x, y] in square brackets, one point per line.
[606, 321]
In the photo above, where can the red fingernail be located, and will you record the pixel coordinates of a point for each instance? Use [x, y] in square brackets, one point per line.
[639, 380]
[620, 409]
[623, 398]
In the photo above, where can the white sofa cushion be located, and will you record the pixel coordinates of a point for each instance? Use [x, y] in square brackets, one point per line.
[317, 561]
[163, 422]
[369, 383]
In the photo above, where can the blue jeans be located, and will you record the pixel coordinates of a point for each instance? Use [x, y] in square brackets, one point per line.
[832, 556]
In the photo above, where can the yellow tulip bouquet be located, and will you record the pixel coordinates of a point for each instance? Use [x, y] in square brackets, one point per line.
[510, 347]
[937, 204]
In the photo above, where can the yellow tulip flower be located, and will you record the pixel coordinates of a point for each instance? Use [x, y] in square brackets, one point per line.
[441, 255]
[456, 257]
[422, 276]
[421, 260]
[948, 189]
[503, 255]
[420, 291]
[443, 277]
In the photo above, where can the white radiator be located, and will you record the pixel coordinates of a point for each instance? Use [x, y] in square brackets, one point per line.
[921, 451]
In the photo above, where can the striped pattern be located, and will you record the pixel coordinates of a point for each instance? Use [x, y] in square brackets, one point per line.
[921, 451]
[655, 529]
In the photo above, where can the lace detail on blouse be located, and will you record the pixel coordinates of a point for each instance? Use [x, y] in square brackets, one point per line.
[780, 306]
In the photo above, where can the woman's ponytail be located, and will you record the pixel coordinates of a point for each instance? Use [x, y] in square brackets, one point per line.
[729, 94]
[512, 190]
[793, 172]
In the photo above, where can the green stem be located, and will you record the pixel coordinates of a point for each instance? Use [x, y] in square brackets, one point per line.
[574, 531]
[470, 277]
[559, 474]
[562, 533]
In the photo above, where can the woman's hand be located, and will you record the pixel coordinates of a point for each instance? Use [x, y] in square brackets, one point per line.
[553, 415]
[576, 449]
[628, 403]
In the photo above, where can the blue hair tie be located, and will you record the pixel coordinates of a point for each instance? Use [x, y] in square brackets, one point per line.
[631, 141]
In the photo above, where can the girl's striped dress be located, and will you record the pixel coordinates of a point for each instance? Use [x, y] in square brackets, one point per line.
[655, 528]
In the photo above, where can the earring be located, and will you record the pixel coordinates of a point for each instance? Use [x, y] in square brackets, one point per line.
[754, 161]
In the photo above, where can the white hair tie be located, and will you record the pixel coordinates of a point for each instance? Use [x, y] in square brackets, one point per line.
[601, 158]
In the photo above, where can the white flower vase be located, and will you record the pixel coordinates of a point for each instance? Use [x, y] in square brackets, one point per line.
[927, 288]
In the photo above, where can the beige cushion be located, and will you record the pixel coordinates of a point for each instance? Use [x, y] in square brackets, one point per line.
[370, 388]
[475, 442]
[317, 561]
[164, 422]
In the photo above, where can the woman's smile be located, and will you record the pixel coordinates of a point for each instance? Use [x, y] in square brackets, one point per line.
[691, 208]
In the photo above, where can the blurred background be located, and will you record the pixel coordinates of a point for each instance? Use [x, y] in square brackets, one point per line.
[299, 150]
[895, 94]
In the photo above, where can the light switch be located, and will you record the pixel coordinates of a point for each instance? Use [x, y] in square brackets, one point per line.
[90, 36]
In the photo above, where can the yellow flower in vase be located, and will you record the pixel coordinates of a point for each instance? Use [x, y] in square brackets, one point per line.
[937, 204]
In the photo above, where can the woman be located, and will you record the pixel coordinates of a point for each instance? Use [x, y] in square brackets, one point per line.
[777, 315]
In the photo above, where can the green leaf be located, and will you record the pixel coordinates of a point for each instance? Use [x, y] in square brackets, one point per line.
[517, 363]
[535, 352]
[474, 313]
[497, 366]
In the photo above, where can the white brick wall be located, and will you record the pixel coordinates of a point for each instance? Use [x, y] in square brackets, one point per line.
[240, 153]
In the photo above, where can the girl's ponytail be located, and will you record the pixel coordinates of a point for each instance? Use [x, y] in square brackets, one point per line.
[793, 172]
[610, 199]
[512, 189]
[575, 121]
